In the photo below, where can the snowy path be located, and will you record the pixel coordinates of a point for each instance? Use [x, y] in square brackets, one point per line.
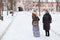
[21, 29]
[6, 21]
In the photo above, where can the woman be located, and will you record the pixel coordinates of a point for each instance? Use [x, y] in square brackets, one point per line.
[46, 23]
[35, 23]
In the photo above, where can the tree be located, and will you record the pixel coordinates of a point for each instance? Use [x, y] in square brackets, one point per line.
[11, 4]
[0, 7]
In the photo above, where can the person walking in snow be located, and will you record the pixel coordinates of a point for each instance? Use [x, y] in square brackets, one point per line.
[35, 23]
[46, 22]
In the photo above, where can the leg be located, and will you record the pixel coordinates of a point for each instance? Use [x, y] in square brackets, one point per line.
[36, 32]
[48, 33]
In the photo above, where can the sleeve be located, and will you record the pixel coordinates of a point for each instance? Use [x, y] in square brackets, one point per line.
[50, 18]
[43, 19]
[38, 19]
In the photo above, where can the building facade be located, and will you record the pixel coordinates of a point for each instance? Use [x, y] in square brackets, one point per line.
[51, 5]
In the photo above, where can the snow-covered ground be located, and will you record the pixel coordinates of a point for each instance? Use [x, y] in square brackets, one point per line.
[19, 27]
[7, 20]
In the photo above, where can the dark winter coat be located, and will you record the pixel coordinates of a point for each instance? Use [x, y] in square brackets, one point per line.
[20, 8]
[46, 21]
[35, 19]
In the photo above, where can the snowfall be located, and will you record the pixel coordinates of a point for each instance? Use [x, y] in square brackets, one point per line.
[19, 26]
